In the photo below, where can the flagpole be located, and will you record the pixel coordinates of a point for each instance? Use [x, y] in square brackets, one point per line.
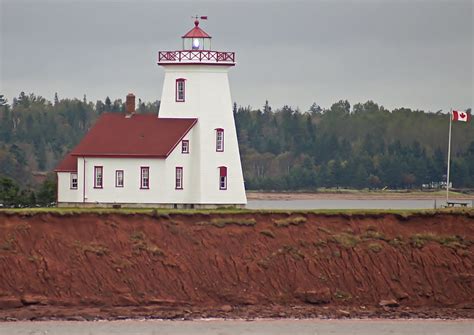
[449, 156]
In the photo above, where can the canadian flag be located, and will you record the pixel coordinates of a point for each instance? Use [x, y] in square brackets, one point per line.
[461, 116]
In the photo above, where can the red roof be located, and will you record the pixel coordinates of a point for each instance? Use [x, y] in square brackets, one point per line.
[142, 135]
[68, 164]
[196, 32]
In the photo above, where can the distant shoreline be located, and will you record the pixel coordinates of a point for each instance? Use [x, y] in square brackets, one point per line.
[357, 195]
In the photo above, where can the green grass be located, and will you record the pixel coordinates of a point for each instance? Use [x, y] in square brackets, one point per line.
[165, 212]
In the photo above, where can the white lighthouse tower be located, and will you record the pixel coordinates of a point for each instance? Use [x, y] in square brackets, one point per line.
[196, 85]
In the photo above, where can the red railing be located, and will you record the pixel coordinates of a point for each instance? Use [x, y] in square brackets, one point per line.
[196, 56]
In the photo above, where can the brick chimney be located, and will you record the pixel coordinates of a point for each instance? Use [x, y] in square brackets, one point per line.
[130, 104]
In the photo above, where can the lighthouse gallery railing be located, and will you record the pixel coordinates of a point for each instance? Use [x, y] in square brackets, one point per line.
[202, 56]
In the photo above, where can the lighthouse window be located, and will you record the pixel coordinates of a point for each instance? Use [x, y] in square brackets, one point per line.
[145, 177]
[179, 178]
[180, 90]
[222, 178]
[74, 181]
[219, 139]
[185, 147]
[98, 176]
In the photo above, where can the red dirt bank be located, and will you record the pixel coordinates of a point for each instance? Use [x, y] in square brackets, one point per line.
[90, 266]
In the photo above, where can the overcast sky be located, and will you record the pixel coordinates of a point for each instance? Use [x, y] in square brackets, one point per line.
[411, 53]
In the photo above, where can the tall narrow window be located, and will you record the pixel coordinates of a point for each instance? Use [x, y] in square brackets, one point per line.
[98, 176]
[222, 178]
[119, 178]
[74, 181]
[179, 178]
[219, 139]
[185, 147]
[145, 177]
[180, 90]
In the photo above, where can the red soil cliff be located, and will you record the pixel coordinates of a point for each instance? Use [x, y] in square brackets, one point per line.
[237, 265]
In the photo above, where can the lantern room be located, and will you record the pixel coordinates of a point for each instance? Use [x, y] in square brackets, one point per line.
[196, 50]
[196, 39]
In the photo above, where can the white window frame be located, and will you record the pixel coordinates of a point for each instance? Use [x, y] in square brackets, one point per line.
[180, 94]
[185, 147]
[74, 183]
[119, 176]
[179, 178]
[145, 177]
[98, 177]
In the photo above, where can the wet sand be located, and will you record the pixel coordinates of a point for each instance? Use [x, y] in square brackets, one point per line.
[241, 327]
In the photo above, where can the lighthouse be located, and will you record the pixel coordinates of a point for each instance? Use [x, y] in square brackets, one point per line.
[185, 157]
[196, 85]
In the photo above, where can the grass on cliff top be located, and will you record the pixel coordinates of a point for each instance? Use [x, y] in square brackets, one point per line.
[163, 212]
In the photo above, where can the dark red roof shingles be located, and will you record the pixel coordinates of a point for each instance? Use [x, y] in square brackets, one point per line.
[68, 164]
[142, 135]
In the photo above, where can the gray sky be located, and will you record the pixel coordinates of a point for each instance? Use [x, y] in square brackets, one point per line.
[415, 53]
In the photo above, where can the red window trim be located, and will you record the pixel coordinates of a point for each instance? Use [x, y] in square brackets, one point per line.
[178, 168]
[70, 181]
[95, 176]
[182, 146]
[116, 178]
[180, 80]
[220, 130]
[141, 177]
[222, 173]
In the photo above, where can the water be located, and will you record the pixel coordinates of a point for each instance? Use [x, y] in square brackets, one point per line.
[347, 204]
[236, 327]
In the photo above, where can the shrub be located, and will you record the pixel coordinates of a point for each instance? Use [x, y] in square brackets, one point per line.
[268, 233]
[375, 247]
[341, 295]
[95, 248]
[137, 236]
[296, 220]
[346, 240]
[222, 222]
[372, 234]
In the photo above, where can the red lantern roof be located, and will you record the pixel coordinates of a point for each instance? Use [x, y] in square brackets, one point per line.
[196, 32]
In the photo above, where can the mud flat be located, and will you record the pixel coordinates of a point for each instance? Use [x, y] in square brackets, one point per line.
[87, 266]
[359, 195]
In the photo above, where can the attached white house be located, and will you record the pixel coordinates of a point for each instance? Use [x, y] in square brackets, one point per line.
[185, 157]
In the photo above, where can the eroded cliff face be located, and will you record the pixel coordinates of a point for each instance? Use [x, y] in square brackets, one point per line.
[179, 265]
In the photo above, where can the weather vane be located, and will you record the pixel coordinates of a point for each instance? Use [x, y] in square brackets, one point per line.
[199, 17]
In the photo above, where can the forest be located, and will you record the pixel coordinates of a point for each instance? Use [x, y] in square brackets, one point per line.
[363, 146]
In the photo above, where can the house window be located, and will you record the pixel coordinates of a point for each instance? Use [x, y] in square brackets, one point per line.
[179, 178]
[98, 176]
[185, 147]
[180, 90]
[222, 178]
[219, 139]
[74, 181]
[119, 178]
[145, 177]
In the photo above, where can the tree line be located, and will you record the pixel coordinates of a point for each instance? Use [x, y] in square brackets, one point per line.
[363, 146]
[359, 146]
